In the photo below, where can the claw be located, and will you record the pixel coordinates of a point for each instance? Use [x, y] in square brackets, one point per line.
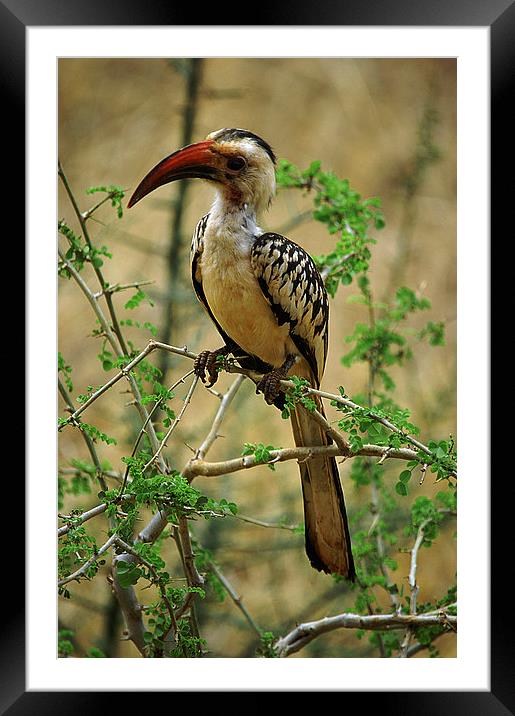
[212, 369]
[207, 360]
[270, 386]
[199, 365]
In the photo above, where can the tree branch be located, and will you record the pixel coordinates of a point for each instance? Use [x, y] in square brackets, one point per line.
[125, 371]
[215, 469]
[212, 435]
[412, 580]
[380, 451]
[96, 269]
[305, 633]
[87, 439]
[84, 568]
[98, 510]
[130, 607]
[236, 598]
[128, 549]
[177, 420]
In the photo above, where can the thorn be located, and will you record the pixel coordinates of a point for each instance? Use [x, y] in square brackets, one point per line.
[384, 456]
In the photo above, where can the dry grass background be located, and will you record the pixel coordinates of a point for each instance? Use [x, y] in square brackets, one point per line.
[117, 118]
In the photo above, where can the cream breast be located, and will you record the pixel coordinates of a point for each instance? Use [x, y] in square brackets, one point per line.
[236, 300]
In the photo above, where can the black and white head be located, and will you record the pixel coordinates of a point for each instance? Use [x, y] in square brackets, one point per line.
[239, 163]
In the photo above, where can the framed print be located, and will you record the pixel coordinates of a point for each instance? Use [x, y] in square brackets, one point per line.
[182, 532]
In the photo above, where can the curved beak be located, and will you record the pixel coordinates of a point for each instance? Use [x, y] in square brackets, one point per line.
[191, 162]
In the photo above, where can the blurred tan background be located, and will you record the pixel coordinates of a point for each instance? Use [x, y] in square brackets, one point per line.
[367, 120]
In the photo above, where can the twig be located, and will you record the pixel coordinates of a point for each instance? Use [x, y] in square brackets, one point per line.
[412, 580]
[87, 439]
[113, 474]
[89, 212]
[262, 523]
[94, 512]
[416, 648]
[172, 427]
[126, 597]
[389, 586]
[225, 402]
[125, 371]
[109, 334]
[236, 598]
[338, 438]
[305, 633]
[195, 579]
[84, 568]
[96, 268]
[159, 521]
[384, 421]
[93, 301]
[142, 430]
[329, 270]
[121, 287]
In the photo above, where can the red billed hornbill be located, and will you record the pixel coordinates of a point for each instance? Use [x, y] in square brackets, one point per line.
[267, 299]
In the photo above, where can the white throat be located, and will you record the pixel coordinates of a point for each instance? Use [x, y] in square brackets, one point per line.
[231, 227]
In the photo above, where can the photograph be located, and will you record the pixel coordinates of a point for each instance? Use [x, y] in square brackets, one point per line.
[257, 357]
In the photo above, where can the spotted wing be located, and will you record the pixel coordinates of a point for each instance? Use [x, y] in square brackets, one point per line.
[295, 290]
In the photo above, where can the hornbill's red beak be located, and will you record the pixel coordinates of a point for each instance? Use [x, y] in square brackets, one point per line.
[193, 161]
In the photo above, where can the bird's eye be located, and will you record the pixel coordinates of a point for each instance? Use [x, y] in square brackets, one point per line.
[236, 163]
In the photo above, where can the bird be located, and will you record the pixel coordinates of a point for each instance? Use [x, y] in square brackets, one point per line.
[267, 299]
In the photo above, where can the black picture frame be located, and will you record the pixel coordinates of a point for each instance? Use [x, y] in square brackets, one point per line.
[499, 16]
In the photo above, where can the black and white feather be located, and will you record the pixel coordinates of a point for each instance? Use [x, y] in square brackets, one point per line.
[292, 285]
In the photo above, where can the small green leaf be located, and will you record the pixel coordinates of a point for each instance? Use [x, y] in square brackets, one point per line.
[401, 489]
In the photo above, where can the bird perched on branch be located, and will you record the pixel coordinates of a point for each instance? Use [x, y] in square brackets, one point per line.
[268, 301]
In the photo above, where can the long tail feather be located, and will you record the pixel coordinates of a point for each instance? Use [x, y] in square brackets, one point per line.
[328, 543]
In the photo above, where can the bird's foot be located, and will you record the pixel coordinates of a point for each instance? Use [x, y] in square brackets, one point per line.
[208, 361]
[270, 385]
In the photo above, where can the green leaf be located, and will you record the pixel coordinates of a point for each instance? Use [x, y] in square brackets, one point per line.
[401, 489]
[135, 300]
[127, 574]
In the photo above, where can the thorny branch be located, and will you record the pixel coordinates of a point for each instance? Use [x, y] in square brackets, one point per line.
[390, 586]
[236, 598]
[91, 561]
[368, 450]
[412, 581]
[87, 439]
[172, 427]
[304, 633]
